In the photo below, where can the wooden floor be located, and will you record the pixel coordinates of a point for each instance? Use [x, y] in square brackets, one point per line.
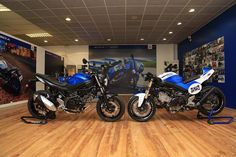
[85, 135]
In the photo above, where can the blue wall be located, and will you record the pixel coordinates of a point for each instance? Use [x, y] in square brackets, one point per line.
[223, 25]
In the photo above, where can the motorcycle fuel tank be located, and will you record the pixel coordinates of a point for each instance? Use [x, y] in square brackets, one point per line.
[78, 78]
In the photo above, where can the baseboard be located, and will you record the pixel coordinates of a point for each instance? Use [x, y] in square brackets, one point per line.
[13, 104]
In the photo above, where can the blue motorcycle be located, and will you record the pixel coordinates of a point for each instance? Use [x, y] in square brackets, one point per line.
[73, 96]
[171, 92]
[127, 71]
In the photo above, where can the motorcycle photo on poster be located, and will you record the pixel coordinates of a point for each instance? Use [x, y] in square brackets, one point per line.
[125, 64]
[17, 65]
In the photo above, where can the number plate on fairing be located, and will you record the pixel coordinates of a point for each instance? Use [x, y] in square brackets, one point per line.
[195, 88]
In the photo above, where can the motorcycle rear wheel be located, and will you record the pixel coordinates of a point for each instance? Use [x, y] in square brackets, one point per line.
[116, 111]
[216, 100]
[35, 107]
[139, 114]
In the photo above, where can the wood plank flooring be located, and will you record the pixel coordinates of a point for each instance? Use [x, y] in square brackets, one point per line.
[85, 135]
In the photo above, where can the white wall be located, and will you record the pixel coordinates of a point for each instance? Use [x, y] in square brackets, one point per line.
[40, 65]
[165, 52]
[73, 55]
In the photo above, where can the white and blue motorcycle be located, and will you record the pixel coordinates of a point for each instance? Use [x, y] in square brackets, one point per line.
[171, 92]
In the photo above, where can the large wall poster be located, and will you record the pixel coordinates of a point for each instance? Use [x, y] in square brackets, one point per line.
[54, 64]
[18, 55]
[211, 55]
[126, 63]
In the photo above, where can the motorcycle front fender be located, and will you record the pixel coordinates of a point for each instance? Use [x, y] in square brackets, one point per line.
[140, 98]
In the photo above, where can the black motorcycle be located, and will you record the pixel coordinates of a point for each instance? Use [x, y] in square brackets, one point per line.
[11, 80]
[75, 98]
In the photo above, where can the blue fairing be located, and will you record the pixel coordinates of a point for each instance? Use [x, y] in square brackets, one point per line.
[205, 70]
[177, 80]
[75, 79]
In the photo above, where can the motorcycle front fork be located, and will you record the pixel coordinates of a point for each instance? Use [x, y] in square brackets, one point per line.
[148, 90]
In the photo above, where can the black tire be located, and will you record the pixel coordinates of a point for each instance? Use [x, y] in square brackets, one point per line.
[33, 111]
[134, 101]
[217, 94]
[102, 114]
[13, 86]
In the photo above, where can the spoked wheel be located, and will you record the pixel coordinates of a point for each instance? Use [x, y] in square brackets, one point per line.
[112, 111]
[37, 108]
[143, 113]
[214, 101]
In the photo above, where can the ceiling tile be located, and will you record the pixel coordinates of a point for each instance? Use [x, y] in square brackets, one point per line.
[74, 3]
[97, 10]
[134, 10]
[178, 2]
[44, 13]
[60, 12]
[153, 10]
[115, 3]
[94, 3]
[116, 10]
[157, 2]
[34, 4]
[53, 3]
[135, 3]
[172, 10]
[79, 11]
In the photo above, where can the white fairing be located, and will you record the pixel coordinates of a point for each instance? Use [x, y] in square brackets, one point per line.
[140, 98]
[205, 76]
[166, 75]
[195, 88]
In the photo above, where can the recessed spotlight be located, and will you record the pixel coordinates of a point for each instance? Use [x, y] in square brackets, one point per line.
[76, 40]
[141, 39]
[109, 39]
[45, 41]
[170, 32]
[164, 39]
[179, 23]
[191, 10]
[68, 19]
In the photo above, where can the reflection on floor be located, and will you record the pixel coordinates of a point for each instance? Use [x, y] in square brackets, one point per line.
[83, 135]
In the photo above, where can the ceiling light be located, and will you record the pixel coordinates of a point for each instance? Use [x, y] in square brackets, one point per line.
[141, 39]
[38, 35]
[3, 8]
[170, 32]
[191, 10]
[68, 19]
[164, 39]
[45, 41]
[76, 40]
[109, 39]
[179, 23]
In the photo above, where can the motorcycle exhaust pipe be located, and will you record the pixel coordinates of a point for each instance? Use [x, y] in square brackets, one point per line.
[47, 103]
[205, 96]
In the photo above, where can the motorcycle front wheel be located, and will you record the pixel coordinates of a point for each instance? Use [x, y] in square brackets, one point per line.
[37, 109]
[111, 112]
[143, 113]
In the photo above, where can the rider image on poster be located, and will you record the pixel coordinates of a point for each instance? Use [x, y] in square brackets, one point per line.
[126, 64]
[17, 66]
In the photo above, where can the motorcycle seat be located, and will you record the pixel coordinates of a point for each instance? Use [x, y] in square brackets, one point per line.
[54, 83]
[191, 79]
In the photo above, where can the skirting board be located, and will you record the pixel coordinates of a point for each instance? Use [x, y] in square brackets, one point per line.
[13, 104]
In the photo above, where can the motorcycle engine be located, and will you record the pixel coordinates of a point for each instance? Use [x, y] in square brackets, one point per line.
[74, 103]
[174, 102]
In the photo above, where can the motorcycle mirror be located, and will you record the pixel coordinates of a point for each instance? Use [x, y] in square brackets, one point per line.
[84, 61]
